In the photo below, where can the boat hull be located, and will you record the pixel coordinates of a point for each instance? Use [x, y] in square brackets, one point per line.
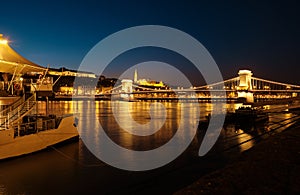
[35, 142]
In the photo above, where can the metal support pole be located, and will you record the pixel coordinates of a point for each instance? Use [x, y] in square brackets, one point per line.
[19, 121]
[36, 110]
[47, 105]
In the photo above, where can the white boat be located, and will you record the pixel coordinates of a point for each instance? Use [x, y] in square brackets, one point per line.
[22, 132]
[12, 145]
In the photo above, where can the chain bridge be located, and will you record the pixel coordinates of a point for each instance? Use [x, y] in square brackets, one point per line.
[244, 87]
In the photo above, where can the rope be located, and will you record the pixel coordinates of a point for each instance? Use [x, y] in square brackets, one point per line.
[75, 160]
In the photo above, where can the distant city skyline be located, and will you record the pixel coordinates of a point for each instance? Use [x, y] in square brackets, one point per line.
[262, 37]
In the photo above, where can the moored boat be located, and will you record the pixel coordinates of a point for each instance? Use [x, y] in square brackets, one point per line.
[248, 114]
[35, 136]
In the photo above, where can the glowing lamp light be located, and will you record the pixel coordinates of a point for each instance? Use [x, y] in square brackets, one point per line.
[3, 41]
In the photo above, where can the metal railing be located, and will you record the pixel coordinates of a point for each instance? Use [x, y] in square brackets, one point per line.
[34, 127]
[12, 106]
[16, 112]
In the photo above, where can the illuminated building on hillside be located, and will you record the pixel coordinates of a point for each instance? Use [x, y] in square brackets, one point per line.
[147, 83]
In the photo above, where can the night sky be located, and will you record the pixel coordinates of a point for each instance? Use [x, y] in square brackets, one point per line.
[261, 36]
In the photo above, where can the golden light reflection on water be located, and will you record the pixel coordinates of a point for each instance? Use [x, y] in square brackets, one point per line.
[55, 107]
[243, 140]
[140, 114]
[233, 107]
[139, 111]
[2, 189]
[280, 121]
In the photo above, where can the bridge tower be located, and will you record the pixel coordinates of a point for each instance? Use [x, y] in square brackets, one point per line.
[245, 86]
[126, 85]
[135, 79]
[126, 89]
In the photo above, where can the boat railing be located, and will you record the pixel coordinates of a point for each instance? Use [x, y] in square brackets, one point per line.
[16, 114]
[12, 106]
[39, 123]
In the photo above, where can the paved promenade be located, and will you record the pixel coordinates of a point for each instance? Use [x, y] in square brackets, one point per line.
[272, 166]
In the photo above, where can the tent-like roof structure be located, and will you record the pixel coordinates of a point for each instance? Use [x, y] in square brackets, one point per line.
[14, 63]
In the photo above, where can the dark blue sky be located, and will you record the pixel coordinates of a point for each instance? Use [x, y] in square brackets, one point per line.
[262, 36]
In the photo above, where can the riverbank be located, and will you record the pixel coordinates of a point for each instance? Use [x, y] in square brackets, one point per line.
[272, 166]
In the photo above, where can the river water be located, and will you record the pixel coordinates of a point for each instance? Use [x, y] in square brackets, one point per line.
[72, 169]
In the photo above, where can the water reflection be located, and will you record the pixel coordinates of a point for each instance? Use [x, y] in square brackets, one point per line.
[2, 189]
[139, 111]
[74, 169]
[162, 133]
[280, 121]
[243, 140]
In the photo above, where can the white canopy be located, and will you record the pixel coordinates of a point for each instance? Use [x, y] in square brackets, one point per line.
[14, 63]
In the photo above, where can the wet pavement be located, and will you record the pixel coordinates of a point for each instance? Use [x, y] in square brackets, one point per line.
[271, 166]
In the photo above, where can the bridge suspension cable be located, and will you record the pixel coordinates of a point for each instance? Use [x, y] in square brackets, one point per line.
[229, 84]
[274, 82]
[235, 79]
